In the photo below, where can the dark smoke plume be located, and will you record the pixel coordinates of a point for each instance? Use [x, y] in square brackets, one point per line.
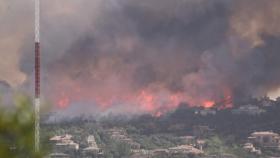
[151, 54]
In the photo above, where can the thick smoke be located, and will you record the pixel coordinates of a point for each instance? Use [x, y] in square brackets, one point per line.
[151, 55]
[251, 20]
[14, 32]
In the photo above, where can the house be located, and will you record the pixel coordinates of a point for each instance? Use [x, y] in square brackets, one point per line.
[121, 135]
[266, 101]
[62, 138]
[159, 152]
[185, 150]
[249, 110]
[92, 150]
[200, 144]
[189, 140]
[227, 156]
[64, 144]
[91, 141]
[223, 155]
[181, 150]
[249, 147]
[58, 155]
[265, 139]
[205, 112]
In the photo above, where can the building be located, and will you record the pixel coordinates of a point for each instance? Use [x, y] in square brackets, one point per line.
[189, 140]
[181, 151]
[227, 156]
[249, 147]
[120, 135]
[266, 101]
[200, 144]
[159, 152]
[64, 144]
[206, 112]
[91, 141]
[67, 146]
[62, 138]
[265, 139]
[185, 150]
[58, 155]
[92, 150]
[248, 110]
[223, 155]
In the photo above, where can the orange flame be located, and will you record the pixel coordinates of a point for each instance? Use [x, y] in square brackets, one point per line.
[147, 101]
[63, 102]
[208, 104]
[156, 102]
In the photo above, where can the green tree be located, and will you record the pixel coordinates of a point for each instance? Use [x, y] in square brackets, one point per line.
[17, 130]
[215, 145]
[117, 149]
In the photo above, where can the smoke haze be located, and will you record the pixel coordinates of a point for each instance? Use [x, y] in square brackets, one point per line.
[146, 55]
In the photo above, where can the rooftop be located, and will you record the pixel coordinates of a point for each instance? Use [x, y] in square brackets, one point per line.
[265, 133]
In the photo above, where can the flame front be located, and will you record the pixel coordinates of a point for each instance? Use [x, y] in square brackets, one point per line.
[154, 102]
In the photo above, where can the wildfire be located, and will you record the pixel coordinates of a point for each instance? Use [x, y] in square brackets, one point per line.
[63, 101]
[148, 100]
[158, 103]
[208, 104]
[158, 114]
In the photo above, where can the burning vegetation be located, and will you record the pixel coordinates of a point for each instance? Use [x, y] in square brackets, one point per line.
[151, 60]
[151, 55]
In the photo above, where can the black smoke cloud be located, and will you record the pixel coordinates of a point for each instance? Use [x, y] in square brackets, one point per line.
[203, 50]
[138, 46]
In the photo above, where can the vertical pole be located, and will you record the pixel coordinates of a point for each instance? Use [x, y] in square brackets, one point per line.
[37, 76]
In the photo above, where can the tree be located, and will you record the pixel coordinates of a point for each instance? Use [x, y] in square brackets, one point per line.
[17, 130]
[117, 149]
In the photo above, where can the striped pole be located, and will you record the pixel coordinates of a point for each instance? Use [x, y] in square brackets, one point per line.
[37, 76]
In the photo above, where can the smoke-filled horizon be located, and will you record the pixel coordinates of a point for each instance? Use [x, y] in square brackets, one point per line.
[144, 56]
